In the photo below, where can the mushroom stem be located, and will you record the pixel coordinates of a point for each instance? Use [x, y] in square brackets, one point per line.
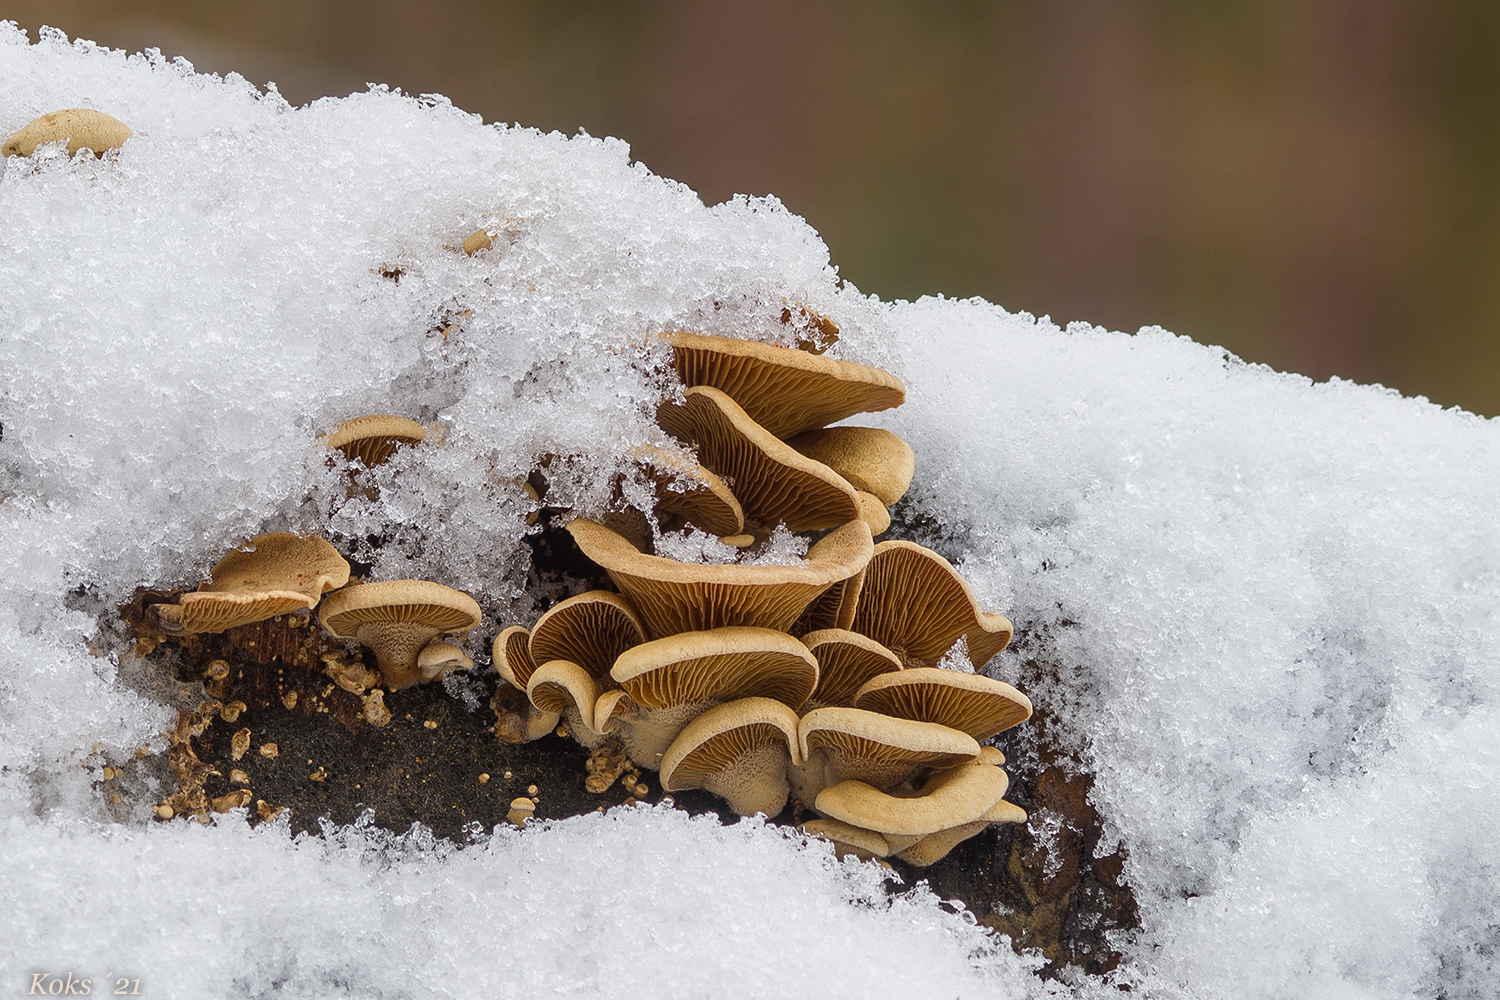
[396, 646]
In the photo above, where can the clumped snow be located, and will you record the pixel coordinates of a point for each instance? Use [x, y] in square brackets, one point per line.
[1263, 612]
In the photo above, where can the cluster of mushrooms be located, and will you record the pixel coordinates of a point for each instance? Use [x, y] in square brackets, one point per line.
[818, 680]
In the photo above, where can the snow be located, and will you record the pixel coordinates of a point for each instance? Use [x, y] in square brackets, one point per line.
[1263, 612]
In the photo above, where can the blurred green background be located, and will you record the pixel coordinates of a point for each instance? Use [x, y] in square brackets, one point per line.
[1314, 184]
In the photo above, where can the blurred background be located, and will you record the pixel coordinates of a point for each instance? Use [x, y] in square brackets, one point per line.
[1314, 184]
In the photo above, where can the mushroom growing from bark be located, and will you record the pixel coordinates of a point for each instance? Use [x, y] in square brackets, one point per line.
[674, 597]
[870, 459]
[842, 743]
[913, 602]
[668, 682]
[786, 391]
[84, 128]
[396, 619]
[739, 751]
[774, 482]
[970, 703]
[375, 438]
[273, 574]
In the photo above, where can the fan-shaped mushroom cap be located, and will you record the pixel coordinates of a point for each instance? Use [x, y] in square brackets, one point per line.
[834, 608]
[845, 661]
[873, 512]
[871, 459]
[688, 491]
[971, 703]
[396, 619]
[84, 128]
[784, 390]
[935, 846]
[773, 481]
[718, 665]
[951, 797]
[674, 597]
[511, 652]
[739, 751]
[849, 839]
[374, 438]
[566, 689]
[591, 630]
[439, 658]
[914, 603]
[843, 743]
[274, 574]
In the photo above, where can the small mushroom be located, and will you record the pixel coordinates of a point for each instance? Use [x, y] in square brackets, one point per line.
[374, 438]
[673, 680]
[397, 619]
[970, 703]
[849, 839]
[839, 744]
[562, 688]
[847, 660]
[591, 629]
[949, 798]
[439, 658]
[689, 493]
[786, 391]
[84, 128]
[774, 482]
[271, 575]
[913, 602]
[935, 846]
[873, 460]
[739, 751]
[673, 597]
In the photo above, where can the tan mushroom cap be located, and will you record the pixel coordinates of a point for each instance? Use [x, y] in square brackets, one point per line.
[374, 438]
[739, 751]
[949, 798]
[591, 629]
[774, 483]
[785, 391]
[971, 703]
[834, 608]
[274, 574]
[84, 128]
[914, 603]
[935, 846]
[689, 492]
[674, 597]
[565, 688]
[873, 512]
[847, 660]
[396, 619]
[849, 839]
[869, 458]
[439, 658]
[718, 665]
[877, 749]
[511, 652]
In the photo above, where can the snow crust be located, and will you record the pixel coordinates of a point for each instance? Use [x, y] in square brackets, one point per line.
[1262, 611]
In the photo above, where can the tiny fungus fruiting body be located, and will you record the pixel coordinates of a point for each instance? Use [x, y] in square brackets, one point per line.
[83, 128]
[396, 619]
[270, 575]
[373, 439]
[785, 391]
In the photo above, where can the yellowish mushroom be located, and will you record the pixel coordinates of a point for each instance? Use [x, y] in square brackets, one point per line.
[673, 597]
[83, 128]
[270, 575]
[786, 391]
[397, 619]
[739, 751]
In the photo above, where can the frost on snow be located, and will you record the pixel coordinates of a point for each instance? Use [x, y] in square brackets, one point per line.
[1263, 612]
